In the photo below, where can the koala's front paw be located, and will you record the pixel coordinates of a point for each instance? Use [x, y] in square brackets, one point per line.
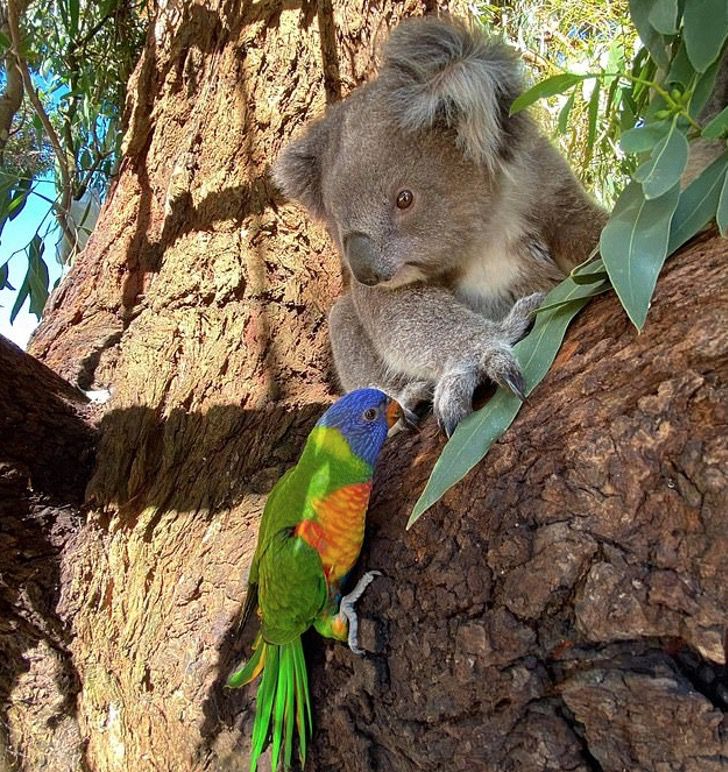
[453, 399]
[519, 318]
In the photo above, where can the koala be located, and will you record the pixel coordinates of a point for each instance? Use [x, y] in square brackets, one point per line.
[452, 217]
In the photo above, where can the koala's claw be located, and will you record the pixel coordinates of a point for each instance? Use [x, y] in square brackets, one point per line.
[514, 381]
[498, 363]
[412, 395]
[448, 426]
[454, 391]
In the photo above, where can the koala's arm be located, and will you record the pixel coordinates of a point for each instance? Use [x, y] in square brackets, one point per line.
[425, 333]
[358, 365]
[356, 361]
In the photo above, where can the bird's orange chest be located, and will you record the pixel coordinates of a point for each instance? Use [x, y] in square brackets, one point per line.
[337, 530]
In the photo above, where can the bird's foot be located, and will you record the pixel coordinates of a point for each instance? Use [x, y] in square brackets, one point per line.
[347, 611]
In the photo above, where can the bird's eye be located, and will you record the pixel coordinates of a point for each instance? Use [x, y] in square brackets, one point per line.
[404, 199]
[370, 414]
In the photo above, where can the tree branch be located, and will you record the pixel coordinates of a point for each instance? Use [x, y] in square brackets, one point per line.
[80, 44]
[89, 173]
[14, 10]
[12, 98]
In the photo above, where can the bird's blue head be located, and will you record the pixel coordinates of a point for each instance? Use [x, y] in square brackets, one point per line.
[363, 417]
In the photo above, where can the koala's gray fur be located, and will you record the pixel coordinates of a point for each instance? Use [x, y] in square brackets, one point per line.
[441, 290]
[704, 151]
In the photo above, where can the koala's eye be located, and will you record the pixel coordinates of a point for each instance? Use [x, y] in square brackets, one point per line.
[404, 199]
[370, 414]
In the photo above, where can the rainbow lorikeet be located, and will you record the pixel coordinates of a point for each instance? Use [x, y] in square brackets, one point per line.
[310, 536]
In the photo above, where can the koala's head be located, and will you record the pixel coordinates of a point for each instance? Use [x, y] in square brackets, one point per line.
[403, 170]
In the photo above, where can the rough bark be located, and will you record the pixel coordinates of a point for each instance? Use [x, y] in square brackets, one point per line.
[563, 608]
[46, 457]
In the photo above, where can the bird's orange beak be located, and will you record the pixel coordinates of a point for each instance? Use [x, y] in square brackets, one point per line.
[394, 413]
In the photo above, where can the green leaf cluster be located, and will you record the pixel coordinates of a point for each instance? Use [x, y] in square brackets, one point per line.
[80, 54]
[563, 42]
[652, 118]
[653, 217]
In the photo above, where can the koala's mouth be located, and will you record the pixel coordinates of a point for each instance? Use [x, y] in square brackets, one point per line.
[409, 273]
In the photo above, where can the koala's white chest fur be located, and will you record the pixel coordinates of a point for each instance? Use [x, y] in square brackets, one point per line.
[487, 283]
[488, 280]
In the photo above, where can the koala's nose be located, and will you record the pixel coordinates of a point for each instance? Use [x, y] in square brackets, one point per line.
[360, 253]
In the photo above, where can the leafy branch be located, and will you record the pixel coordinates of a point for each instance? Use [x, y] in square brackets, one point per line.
[66, 67]
[20, 63]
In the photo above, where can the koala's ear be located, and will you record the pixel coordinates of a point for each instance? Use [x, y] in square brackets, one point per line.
[297, 170]
[443, 71]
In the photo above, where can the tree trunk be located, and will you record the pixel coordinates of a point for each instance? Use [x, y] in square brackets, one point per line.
[563, 608]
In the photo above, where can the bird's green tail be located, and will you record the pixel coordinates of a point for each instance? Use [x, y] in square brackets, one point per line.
[282, 699]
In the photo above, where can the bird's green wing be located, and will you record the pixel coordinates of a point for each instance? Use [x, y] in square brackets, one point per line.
[280, 494]
[292, 587]
[284, 497]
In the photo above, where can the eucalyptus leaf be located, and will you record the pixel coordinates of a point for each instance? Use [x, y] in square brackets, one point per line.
[475, 435]
[64, 12]
[721, 216]
[704, 88]
[593, 114]
[705, 28]
[73, 10]
[666, 164]
[593, 265]
[615, 58]
[35, 283]
[563, 121]
[4, 273]
[681, 72]
[698, 204]
[614, 92]
[634, 246]
[38, 278]
[13, 206]
[16, 206]
[663, 16]
[590, 278]
[644, 138]
[594, 289]
[20, 297]
[654, 42]
[556, 84]
[568, 291]
[628, 113]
